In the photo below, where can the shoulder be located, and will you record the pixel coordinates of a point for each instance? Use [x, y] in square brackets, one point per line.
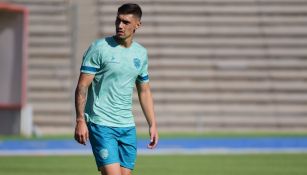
[100, 43]
[141, 49]
[96, 48]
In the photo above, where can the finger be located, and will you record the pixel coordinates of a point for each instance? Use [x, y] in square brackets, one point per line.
[77, 137]
[151, 137]
[87, 136]
[153, 143]
[149, 146]
[83, 139]
[150, 142]
[156, 139]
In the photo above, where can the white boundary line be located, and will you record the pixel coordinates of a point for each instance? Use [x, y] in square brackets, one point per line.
[219, 151]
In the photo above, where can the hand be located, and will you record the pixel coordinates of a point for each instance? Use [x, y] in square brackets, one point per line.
[153, 133]
[81, 132]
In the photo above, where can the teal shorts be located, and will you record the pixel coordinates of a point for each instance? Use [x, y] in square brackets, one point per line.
[113, 145]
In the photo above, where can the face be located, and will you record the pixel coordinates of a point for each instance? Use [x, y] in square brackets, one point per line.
[126, 24]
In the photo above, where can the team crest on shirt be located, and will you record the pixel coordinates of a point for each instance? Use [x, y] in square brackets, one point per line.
[137, 63]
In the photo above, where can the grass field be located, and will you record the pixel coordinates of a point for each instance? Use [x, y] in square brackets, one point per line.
[244, 164]
[250, 164]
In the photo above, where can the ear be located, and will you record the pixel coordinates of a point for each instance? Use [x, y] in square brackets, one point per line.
[138, 24]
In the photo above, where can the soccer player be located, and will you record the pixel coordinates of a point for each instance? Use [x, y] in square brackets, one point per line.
[103, 98]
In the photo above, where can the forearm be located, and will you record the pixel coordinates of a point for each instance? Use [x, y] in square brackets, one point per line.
[80, 101]
[146, 102]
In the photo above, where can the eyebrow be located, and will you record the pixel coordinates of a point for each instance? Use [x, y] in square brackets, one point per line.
[125, 21]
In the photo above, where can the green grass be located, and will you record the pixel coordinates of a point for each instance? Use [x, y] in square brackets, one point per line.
[253, 164]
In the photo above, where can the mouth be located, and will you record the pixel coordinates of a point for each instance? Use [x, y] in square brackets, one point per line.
[119, 32]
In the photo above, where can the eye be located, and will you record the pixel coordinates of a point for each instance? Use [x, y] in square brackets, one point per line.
[117, 20]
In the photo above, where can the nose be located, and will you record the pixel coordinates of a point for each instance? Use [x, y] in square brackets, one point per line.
[120, 25]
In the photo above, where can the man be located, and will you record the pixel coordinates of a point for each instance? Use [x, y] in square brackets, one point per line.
[103, 98]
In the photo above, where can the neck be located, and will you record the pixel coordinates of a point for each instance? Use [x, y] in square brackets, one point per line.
[125, 42]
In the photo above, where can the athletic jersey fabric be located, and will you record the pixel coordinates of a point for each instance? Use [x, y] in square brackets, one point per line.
[116, 70]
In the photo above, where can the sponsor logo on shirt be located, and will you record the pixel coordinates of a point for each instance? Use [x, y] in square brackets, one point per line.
[113, 60]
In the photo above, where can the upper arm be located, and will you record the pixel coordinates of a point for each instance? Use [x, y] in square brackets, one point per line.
[143, 74]
[92, 60]
[85, 79]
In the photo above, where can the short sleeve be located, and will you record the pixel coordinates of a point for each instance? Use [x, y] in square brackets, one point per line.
[91, 60]
[143, 75]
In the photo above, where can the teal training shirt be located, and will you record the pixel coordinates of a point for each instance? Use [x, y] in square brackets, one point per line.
[116, 70]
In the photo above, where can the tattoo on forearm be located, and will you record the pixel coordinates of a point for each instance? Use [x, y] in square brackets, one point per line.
[80, 99]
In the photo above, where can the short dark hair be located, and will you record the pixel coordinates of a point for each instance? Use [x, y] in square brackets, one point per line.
[130, 8]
